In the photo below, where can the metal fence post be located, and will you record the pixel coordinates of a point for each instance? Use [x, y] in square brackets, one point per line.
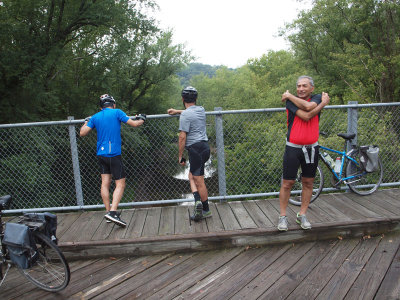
[352, 119]
[75, 163]
[219, 136]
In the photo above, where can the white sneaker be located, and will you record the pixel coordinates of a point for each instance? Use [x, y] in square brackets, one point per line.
[302, 220]
[283, 223]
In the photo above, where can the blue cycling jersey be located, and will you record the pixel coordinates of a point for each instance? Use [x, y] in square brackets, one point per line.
[108, 125]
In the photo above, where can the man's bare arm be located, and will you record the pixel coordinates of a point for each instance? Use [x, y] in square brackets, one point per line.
[134, 123]
[85, 129]
[173, 111]
[182, 143]
[300, 103]
[307, 115]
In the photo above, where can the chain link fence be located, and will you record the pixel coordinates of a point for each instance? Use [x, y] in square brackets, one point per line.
[48, 166]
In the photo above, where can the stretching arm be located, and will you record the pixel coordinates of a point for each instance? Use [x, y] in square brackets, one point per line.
[307, 115]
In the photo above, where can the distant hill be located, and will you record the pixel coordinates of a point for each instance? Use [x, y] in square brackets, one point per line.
[194, 69]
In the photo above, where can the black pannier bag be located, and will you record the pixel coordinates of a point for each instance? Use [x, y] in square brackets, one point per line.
[50, 223]
[21, 245]
[369, 158]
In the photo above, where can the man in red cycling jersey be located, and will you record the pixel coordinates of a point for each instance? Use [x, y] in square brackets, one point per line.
[303, 112]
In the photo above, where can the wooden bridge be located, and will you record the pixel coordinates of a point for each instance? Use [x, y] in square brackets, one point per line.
[352, 252]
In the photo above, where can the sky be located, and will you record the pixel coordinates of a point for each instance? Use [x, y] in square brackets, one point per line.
[228, 32]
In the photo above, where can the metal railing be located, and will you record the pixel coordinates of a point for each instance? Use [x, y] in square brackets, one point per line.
[47, 166]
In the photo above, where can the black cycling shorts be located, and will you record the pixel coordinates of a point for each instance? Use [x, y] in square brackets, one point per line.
[199, 153]
[112, 165]
[293, 158]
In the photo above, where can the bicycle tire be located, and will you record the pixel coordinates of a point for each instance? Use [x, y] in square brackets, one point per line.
[317, 187]
[51, 271]
[367, 183]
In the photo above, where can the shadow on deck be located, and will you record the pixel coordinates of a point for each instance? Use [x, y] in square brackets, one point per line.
[241, 223]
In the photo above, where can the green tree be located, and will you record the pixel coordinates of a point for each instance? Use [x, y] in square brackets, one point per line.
[353, 45]
[57, 55]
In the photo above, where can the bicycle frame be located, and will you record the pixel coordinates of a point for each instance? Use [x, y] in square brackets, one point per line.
[339, 176]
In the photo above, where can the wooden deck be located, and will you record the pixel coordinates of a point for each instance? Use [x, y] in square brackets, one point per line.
[242, 223]
[357, 268]
[352, 252]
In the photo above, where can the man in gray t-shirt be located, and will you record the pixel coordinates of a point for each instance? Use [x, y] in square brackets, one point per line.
[193, 137]
[193, 122]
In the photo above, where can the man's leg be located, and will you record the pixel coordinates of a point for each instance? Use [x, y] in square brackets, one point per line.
[105, 190]
[117, 196]
[201, 187]
[306, 194]
[284, 195]
[118, 193]
[301, 219]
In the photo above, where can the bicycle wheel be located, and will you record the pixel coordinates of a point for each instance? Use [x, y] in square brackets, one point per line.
[363, 183]
[317, 188]
[51, 271]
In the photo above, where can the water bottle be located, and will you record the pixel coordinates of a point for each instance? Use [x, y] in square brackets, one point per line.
[329, 159]
[338, 164]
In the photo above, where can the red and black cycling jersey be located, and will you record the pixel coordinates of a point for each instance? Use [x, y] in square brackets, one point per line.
[302, 132]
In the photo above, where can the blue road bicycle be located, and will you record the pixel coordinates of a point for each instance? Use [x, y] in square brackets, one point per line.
[351, 171]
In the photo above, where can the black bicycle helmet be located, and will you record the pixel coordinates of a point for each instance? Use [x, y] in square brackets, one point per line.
[106, 100]
[189, 94]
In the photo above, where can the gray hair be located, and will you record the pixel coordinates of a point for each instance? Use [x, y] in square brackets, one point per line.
[307, 77]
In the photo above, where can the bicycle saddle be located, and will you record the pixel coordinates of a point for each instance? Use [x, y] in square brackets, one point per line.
[347, 136]
[5, 201]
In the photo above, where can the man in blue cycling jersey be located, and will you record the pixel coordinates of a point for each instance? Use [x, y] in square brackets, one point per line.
[108, 125]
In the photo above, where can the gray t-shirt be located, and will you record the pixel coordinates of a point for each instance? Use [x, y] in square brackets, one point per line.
[193, 122]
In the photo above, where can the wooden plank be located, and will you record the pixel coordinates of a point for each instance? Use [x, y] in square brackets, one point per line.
[367, 202]
[182, 224]
[215, 261]
[135, 227]
[133, 267]
[119, 232]
[332, 213]
[27, 288]
[200, 226]
[85, 277]
[273, 272]
[350, 208]
[390, 286]
[132, 281]
[386, 202]
[236, 282]
[227, 216]
[65, 224]
[214, 223]
[310, 287]
[341, 282]
[78, 227]
[394, 193]
[152, 222]
[268, 210]
[91, 227]
[257, 214]
[167, 221]
[170, 276]
[221, 276]
[393, 199]
[242, 215]
[300, 270]
[367, 284]
[103, 230]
